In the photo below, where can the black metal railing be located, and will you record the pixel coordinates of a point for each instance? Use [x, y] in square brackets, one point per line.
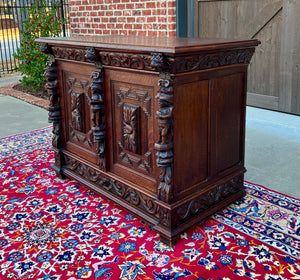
[12, 16]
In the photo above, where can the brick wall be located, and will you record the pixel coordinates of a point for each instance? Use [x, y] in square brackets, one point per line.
[123, 17]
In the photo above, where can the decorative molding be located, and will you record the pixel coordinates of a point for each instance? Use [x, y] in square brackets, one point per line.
[157, 62]
[122, 191]
[202, 203]
[164, 146]
[83, 55]
[98, 115]
[212, 60]
[126, 60]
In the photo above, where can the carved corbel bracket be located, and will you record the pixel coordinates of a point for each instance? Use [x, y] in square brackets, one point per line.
[164, 146]
[98, 116]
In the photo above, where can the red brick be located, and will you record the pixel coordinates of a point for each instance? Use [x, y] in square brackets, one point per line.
[137, 26]
[106, 31]
[137, 13]
[171, 12]
[126, 13]
[132, 32]
[103, 7]
[140, 5]
[142, 33]
[162, 33]
[117, 13]
[129, 6]
[110, 25]
[161, 19]
[83, 31]
[109, 13]
[151, 19]
[95, 25]
[130, 19]
[102, 26]
[104, 19]
[96, 19]
[146, 12]
[101, 13]
[94, 14]
[123, 32]
[98, 32]
[113, 19]
[96, 8]
[121, 19]
[112, 7]
[119, 25]
[128, 26]
[121, 6]
[81, 8]
[172, 4]
[159, 12]
[91, 31]
[172, 26]
[152, 33]
[172, 34]
[82, 19]
[89, 8]
[172, 19]
[150, 5]
[114, 32]
[148, 26]
[140, 19]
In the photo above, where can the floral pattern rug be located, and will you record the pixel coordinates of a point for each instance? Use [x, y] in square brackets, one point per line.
[57, 229]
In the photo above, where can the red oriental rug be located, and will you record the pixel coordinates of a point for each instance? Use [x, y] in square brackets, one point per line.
[57, 229]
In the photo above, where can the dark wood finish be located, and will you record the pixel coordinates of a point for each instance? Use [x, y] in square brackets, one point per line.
[155, 124]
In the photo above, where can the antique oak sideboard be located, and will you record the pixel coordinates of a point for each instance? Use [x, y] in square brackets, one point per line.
[155, 124]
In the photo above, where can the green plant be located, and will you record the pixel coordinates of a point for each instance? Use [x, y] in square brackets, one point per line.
[42, 21]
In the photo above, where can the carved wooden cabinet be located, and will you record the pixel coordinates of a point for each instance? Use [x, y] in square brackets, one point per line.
[154, 124]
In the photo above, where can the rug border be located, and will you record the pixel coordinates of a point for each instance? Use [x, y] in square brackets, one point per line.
[26, 132]
[268, 189]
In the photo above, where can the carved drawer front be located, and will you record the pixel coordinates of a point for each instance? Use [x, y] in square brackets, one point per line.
[133, 121]
[78, 134]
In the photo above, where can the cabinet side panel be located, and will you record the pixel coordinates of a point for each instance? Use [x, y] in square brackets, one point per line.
[227, 122]
[191, 113]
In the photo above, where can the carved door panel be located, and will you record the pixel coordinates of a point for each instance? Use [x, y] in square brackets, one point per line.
[78, 133]
[132, 118]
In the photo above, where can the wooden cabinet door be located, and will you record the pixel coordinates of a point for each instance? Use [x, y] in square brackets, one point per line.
[75, 84]
[131, 123]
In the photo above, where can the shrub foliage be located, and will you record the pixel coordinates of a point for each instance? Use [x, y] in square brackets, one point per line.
[42, 21]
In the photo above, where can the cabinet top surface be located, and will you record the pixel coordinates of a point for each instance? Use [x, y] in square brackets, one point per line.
[153, 44]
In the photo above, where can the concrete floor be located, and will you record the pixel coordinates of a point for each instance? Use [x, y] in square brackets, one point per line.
[272, 155]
